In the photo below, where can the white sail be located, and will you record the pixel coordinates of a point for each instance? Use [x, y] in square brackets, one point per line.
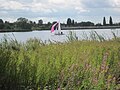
[56, 30]
[59, 28]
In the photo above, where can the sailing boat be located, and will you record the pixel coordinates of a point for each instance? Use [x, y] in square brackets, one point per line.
[56, 28]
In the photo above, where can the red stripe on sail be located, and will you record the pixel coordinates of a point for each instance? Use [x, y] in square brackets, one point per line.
[52, 29]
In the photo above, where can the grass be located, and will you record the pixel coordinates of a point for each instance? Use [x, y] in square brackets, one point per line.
[73, 65]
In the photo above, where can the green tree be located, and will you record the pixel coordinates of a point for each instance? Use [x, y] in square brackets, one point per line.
[49, 23]
[88, 23]
[8, 25]
[1, 21]
[1, 24]
[69, 21]
[98, 24]
[73, 22]
[104, 21]
[110, 21]
[23, 23]
[40, 22]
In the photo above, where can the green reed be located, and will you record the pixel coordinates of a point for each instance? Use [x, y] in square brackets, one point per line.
[73, 65]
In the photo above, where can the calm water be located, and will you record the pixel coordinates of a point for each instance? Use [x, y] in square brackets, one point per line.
[47, 35]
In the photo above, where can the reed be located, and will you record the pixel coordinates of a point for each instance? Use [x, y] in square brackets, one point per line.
[73, 65]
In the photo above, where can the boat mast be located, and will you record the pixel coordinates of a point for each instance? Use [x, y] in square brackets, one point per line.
[59, 28]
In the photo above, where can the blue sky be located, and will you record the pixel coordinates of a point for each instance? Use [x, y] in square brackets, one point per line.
[51, 10]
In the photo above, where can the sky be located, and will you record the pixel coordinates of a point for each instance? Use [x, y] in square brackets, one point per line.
[60, 10]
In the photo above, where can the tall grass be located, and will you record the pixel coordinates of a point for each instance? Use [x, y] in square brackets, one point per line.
[76, 65]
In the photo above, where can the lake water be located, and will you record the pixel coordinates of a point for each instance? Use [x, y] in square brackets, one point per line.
[47, 35]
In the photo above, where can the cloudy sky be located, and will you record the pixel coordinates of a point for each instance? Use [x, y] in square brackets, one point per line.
[51, 10]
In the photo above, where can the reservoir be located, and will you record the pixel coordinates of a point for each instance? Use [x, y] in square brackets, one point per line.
[46, 35]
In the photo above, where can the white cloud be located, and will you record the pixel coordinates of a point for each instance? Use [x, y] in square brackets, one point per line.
[48, 6]
[36, 7]
[58, 8]
[57, 1]
[12, 5]
[115, 4]
[68, 5]
[54, 6]
[42, 7]
[80, 9]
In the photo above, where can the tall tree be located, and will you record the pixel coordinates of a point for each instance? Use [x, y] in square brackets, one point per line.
[104, 21]
[23, 23]
[69, 21]
[73, 22]
[1, 21]
[1, 24]
[40, 22]
[110, 21]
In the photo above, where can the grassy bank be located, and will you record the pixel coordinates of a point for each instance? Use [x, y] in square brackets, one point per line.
[74, 65]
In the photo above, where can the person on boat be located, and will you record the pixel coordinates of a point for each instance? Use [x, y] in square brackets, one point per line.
[61, 33]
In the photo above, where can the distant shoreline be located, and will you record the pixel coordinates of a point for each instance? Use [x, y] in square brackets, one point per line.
[13, 30]
[63, 28]
[91, 27]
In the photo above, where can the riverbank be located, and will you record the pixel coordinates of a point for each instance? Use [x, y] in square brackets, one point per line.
[90, 27]
[63, 28]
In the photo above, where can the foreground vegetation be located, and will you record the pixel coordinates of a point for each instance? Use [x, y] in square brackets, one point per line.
[73, 65]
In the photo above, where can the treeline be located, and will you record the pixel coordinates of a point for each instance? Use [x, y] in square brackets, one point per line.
[71, 22]
[23, 24]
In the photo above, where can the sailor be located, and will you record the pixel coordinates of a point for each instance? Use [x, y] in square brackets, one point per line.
[61, 32]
